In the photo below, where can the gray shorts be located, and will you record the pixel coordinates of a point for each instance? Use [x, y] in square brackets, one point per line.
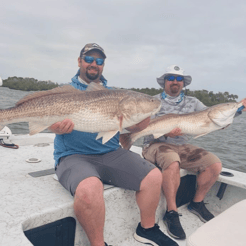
[121, 168]
[190, 157]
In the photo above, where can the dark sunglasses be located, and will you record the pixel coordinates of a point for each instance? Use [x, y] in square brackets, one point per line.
[90, 59]
[172, 78]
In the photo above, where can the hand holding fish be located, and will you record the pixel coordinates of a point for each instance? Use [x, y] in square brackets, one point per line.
[64, 127]
[174, 133]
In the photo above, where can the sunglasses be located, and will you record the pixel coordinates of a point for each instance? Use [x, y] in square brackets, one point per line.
[90, 59]
[172, 78]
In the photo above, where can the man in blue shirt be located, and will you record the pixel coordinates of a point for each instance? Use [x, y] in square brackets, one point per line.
[83, 164]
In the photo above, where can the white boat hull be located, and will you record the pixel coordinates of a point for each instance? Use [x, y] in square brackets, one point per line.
[29, 202]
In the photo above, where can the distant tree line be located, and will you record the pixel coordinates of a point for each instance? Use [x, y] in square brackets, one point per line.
[31, 84]
[28, 84]
[208, 98]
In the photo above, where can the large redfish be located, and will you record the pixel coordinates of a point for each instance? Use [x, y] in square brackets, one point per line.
[196, 123]
[97, 109]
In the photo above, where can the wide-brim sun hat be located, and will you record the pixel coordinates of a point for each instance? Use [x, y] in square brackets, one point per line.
[174, 69]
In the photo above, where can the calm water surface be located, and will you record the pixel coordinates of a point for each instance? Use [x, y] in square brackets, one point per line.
[229, 144]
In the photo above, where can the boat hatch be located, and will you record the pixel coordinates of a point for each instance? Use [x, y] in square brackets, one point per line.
[60, 232]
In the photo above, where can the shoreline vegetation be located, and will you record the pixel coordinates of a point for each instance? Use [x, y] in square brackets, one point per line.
[28, 84]
[209, 98]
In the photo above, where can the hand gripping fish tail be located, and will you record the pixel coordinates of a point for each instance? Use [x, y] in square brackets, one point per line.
[126, 140]
[241, 106]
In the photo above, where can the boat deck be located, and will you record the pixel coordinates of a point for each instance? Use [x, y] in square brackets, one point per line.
[28, 202]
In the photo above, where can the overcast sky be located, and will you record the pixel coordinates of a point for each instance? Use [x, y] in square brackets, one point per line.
[43, 39]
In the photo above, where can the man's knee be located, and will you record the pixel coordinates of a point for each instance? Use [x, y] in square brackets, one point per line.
[214, 169]
[153, 178]
[89, 189]
[174, 166]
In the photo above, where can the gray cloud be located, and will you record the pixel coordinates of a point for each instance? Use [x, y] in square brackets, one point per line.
[42, 39]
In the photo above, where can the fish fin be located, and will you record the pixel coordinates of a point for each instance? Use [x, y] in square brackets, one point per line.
[197, 136]
[126, 141]
[106, 136]
[57, 90]
[95, 87]
[157, 135]
[120, 122]
[35, 127]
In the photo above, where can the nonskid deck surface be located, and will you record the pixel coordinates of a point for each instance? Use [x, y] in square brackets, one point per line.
[189, 221]
[31, 202]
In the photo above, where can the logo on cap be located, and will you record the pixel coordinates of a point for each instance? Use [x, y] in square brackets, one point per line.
[95, 45]
[176, 68]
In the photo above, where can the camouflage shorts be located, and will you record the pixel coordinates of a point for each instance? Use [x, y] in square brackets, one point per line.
[190, 157]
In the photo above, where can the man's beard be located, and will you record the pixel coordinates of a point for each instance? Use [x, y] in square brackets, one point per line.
[174, 89]
[92, 76]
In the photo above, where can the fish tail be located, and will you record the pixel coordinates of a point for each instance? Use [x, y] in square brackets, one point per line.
[1, 120]
[126, 140]
[6, 116]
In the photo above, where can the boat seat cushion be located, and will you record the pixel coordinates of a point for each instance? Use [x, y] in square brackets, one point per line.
[226, 229]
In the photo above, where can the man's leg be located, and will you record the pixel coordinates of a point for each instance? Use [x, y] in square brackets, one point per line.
[170, 185]
[148, 197]
[171, 182]
[167, 158]
[205, 180]
[89, 209]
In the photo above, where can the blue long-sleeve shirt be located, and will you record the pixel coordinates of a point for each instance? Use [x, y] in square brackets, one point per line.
[84, 143]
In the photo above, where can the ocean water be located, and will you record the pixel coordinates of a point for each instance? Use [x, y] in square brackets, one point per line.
[228, 144]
